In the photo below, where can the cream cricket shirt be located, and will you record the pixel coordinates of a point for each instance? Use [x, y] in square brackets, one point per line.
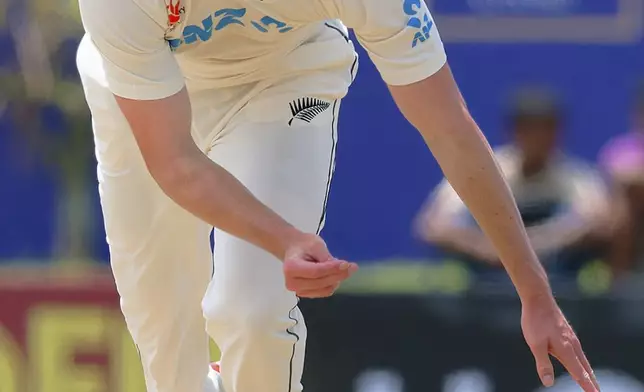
[151, 48]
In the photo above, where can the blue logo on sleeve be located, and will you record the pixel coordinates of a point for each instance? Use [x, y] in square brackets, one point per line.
[222, 19]
[418, 19]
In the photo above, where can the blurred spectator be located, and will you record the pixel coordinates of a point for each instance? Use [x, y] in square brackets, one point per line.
[44, 103]
[623, 160]
[562, 200]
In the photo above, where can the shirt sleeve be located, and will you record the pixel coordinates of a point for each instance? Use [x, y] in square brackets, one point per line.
[586, 191]
[400, 36]
[137, 60]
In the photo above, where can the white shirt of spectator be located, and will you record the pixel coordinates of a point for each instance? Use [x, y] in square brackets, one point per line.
[566, 180]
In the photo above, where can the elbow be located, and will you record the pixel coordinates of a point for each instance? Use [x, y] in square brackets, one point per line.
[173, 176]
[435, 107]
[168, 179]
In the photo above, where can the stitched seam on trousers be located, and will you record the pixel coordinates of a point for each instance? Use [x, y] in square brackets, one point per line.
[346, 38]
[331, 168]
[334, 131]
[211, 240]
[338, 30]
[333, 134]
[354, 70]
[297, 339]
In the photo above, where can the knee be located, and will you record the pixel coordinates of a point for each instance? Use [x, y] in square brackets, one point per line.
[259, 315]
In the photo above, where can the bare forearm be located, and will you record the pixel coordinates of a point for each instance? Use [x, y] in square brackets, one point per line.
[211, 193]
[479, 182]
[435, 107]
[192, 180]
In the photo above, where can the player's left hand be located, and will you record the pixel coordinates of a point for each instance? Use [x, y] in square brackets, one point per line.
[547, 332]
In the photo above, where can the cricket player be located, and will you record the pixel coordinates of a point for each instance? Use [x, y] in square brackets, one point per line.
[224, 114]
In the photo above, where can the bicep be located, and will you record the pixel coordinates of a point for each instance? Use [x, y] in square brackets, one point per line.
[135, 57]
[161, 129]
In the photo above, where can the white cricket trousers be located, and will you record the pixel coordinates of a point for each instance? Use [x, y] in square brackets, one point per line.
[279, 140]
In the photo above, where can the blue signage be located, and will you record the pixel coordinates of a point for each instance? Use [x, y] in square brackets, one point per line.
[529, 8]
[538, 21]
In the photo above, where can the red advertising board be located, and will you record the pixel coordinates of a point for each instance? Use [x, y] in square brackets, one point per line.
[64, 333]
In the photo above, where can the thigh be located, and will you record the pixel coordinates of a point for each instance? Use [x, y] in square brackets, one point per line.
[282, 148]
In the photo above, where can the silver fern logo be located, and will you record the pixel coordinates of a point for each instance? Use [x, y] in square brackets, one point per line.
[306, 109]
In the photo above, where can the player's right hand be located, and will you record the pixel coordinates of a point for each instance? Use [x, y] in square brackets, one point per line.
[311, 272]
